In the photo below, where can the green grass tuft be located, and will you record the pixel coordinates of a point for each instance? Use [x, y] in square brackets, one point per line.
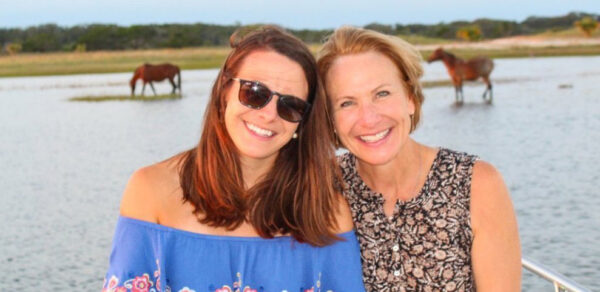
[126, 98]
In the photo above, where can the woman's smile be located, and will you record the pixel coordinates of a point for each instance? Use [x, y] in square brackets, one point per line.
[377, 137]
[258, 131]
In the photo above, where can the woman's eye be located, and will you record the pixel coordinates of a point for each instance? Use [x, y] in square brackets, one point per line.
[383, 93]
[345, 104]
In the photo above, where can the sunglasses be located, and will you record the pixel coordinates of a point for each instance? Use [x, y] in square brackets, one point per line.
[255, 95]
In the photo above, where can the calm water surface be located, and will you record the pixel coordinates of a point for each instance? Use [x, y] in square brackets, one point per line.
[65, 164]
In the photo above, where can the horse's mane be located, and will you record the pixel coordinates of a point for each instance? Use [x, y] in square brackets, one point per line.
[450, 55]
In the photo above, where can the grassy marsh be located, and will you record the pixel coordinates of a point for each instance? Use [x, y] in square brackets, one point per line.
[41, 64]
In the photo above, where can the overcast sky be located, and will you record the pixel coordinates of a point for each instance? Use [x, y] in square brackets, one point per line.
[313, 14]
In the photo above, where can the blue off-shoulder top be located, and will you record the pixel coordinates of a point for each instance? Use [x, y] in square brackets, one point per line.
[151, 257]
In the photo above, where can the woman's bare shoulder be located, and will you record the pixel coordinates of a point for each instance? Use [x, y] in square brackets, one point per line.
[490, 199]
[149, 188]
[486, 180]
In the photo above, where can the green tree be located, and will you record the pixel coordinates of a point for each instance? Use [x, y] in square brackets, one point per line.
[42, 38]
[441, 30]
[587, 25]
[140, 36]
[104, 37]
[503, 29]
[469, 33]
[382, 28]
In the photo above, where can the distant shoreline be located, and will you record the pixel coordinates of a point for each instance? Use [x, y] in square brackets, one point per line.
[46, 64]
[537, 41]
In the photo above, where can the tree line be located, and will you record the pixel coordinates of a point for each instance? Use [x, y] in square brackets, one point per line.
[489, 28]
[93, 37]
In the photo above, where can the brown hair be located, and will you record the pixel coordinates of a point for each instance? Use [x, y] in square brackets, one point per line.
[298, 195]
[348, 40]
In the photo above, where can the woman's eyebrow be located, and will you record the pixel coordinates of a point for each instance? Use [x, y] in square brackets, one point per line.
[343, 97]
[379, 87]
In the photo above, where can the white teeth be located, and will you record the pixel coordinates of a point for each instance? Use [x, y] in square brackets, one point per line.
[376, 137]
[259, 131]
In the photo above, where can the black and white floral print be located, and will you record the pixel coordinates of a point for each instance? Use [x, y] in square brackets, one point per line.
[426, 244]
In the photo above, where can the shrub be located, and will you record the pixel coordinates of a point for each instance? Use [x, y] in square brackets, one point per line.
[469, 33]
[13, 48]
[587, 25]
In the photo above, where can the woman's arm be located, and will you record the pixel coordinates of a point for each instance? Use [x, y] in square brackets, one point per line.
[496, 252]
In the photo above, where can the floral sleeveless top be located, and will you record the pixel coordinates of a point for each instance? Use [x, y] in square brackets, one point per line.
[426, 244]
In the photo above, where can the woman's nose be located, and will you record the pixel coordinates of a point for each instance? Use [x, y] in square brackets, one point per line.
[269, 111]
[369, 114]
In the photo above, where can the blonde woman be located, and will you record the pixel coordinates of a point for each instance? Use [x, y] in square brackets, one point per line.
[428, 219]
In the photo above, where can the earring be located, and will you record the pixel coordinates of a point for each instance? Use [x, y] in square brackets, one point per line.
[295, 136]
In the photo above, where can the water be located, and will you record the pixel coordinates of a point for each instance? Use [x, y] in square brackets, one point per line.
[66, 163]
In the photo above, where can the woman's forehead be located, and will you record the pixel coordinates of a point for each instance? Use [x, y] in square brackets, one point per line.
[363, 71]
[274, 70]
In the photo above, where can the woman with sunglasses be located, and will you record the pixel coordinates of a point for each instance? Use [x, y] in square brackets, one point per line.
[254, 206]
[427, 219]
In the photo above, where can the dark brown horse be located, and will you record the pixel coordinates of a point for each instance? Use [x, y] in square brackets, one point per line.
[149, 73]
[460, 70]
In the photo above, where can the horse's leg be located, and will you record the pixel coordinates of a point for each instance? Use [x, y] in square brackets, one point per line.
[488, 89]
[491, 92]
[132, 85]
[456, 93]
[485, 92]
[460, 90]
[456, 89]
[172, 84]
[179, 81]
[143, 88]
[152, 86]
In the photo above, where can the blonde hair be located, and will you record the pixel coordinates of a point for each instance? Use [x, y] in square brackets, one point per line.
[348, 40]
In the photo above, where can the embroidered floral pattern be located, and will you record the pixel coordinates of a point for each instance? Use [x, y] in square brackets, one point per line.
[141, 283]
[426, 244]
[144, 284]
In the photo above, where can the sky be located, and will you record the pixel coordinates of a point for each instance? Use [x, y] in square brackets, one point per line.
[310, 14]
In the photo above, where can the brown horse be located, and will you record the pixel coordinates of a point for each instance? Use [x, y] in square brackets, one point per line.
[149, 73]
[460, 70]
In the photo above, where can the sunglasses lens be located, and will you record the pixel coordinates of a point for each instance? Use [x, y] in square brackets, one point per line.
[254, 95]
[291, 108]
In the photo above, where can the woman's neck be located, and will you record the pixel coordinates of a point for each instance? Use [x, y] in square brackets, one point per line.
[254, 169]
[398, 178]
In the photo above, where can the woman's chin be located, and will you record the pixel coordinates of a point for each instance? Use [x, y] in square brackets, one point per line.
[374, 157]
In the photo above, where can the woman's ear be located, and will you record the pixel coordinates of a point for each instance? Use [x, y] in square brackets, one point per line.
[411, 105]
